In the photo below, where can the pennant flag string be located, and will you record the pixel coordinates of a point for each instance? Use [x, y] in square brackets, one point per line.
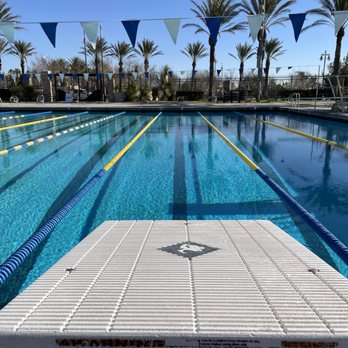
[50, 31]
[297, 20]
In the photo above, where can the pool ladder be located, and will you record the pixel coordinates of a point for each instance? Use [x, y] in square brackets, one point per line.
[294, 100]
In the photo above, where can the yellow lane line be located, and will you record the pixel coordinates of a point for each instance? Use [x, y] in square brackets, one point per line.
[33, 122]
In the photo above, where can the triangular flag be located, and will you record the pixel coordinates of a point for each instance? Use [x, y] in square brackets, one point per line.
[218, 71]
[173, 26]
[61, 76]
[182, 72]
[289, 67]
[213, 24]
[98, 75]
[91, 30]
[265, 70]
[170, 74]
[297, 20]
[74, 76]
[7, 28]
[255, 23]
[131, 29]
[110, 74]
[50, 76]
[122, 75]
[134, 74]
[146, 74]
[86, 76]
[25, 77]
[253, 70]
[340, 19]
[277, 70]
[38, 77]
[2, 76]
[14, 77]
[50, 30]
[194, 72]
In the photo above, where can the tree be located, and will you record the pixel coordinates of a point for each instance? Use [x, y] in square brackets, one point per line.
[6, 14]
[96, 52]
[244, 52]
[22, 50]
[57, 65]
[4, 49]
[227, 10]
[121, 51]
[326, 12]
[147, 49]
[273, 49]
[194, 51]
[275, 12]
[76, 64]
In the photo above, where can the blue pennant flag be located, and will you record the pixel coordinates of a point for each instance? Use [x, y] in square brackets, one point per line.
[50, 30]
[218, 71]
[289, 67]
[25, 77]
[74, 76]
[213, 24]
[2, 76]
[265, 70]
[297, 20]
[122, 75]
[131, 29]
[194, 72]
[98, 75]
[146, 74]
[170, 74]
[50, 76]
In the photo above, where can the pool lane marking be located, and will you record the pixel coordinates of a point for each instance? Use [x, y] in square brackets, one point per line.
[25, 115]
[340, 249]
[54, 135]
[14, 261]
[291, 130]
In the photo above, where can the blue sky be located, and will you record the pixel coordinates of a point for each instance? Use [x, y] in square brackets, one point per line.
[304, 55]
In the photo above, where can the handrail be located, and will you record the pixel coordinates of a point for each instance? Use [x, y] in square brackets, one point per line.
[294, 100]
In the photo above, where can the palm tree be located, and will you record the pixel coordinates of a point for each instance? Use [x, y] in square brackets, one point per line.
[76, 64]
[121, 51]
[227, 10]
[328, 18]
[194, 51]
[275, 12]
[5, 13]
[147, 49]
[22, 50]
[96, 52]
[4, 49]
[273, 49]
[57, 65]
[244, 52]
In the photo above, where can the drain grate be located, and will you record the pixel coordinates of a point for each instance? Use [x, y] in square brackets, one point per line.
[188, 249]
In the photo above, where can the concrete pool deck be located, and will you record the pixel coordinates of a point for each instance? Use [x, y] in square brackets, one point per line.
[322, 109]
[183, 284]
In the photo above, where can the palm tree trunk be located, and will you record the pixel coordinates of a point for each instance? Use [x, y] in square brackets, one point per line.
[268, 64]
[120, 71]
[336, 64]
[211, 67]
[260, 55]
[193, 74]
[0, 64]
[22, 65]
[241, 76]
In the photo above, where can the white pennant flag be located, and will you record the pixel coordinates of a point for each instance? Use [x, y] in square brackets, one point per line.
[340, 19]
[182, 72]
[14, 77]
[173, 26]
[91, 31]
[110, 74]
[7, 28]
[253, 70]
[85, 76]
[277, 70]
[134, 74]
[255, 23]
[38, 77]
[61, 76]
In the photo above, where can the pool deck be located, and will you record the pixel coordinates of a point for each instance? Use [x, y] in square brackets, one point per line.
[183, 284]
[322, 109]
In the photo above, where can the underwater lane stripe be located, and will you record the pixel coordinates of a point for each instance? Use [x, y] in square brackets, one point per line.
[31, 244]
[114, 160]
[7, 112]
[312, 137]
[337, 246]
[54, 135]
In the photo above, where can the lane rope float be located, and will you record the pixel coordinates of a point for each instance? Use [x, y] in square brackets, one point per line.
[71, 129]
[26, 115]
[52, 119]
[24, 251]
[337, 246]
[303, 134]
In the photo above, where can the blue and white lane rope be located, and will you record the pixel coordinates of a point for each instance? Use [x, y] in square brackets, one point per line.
[336, 245]
[29, 247]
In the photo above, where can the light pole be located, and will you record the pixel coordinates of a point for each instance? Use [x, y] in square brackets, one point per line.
[324, 56]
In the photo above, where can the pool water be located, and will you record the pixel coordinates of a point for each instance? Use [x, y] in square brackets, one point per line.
[179, 169]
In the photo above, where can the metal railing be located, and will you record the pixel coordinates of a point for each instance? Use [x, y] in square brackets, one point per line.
[294, 100]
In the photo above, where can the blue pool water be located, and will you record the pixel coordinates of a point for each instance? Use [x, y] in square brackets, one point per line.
[179, 169]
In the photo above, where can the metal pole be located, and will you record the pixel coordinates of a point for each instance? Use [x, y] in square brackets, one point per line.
[317, 89]
[102, 61]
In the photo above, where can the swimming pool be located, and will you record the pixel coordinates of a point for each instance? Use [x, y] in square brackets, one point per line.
[179, 169]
